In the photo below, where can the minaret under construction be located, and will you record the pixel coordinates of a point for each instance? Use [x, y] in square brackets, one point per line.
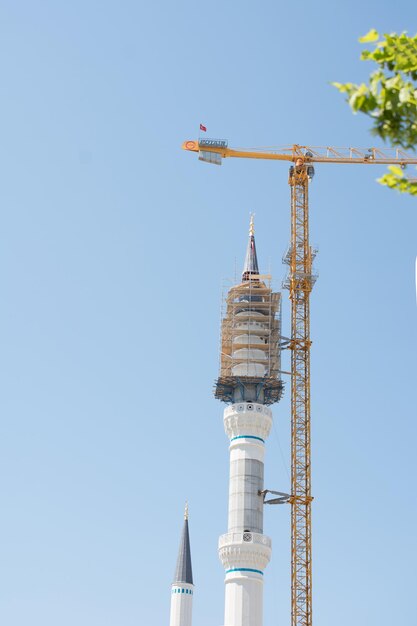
[182, 588]
[249, 382]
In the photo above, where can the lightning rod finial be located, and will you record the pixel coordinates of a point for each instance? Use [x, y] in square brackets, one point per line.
[252, 224]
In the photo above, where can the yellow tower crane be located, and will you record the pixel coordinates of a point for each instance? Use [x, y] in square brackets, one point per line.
[300, 283]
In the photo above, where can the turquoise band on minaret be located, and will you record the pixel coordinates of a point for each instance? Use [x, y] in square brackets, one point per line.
[244, 569]
[247, 437]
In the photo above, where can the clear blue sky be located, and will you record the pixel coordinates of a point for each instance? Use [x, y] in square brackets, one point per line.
[114, 245]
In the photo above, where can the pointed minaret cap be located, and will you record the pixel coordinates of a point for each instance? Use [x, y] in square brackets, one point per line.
[183, 571]
[251, 260]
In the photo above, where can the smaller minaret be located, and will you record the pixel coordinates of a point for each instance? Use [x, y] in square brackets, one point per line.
[182, 588]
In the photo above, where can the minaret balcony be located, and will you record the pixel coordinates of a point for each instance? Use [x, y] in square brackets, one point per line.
[247, 418]
[245, 550]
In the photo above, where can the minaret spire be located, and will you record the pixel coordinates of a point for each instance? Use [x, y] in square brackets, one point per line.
[251, 260]
[182, 587]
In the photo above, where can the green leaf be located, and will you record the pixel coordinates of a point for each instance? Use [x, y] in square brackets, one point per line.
[344, 88]
[397, 171]
[398, 182]
[372, 35]
[405, 95]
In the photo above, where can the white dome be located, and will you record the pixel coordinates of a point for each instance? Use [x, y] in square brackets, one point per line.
[249, 369]
[249, 314]
[249, 354]
[249, 339]
[255, 326]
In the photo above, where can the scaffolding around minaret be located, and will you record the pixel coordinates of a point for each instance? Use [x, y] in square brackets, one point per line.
[250, 360]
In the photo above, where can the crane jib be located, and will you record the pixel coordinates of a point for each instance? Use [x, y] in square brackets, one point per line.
[309, 154]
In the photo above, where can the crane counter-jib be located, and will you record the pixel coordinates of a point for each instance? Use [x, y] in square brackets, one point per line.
[310, 154]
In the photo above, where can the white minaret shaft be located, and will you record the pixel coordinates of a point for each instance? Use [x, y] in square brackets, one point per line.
[182, 589]
[245, 551]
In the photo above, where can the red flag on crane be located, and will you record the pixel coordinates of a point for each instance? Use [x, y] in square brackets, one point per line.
[203, 128]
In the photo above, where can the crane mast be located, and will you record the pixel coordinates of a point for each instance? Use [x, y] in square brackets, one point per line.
[300, 282]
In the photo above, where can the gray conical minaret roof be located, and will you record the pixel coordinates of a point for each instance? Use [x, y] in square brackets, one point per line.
[251, 261]
[183, 571]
